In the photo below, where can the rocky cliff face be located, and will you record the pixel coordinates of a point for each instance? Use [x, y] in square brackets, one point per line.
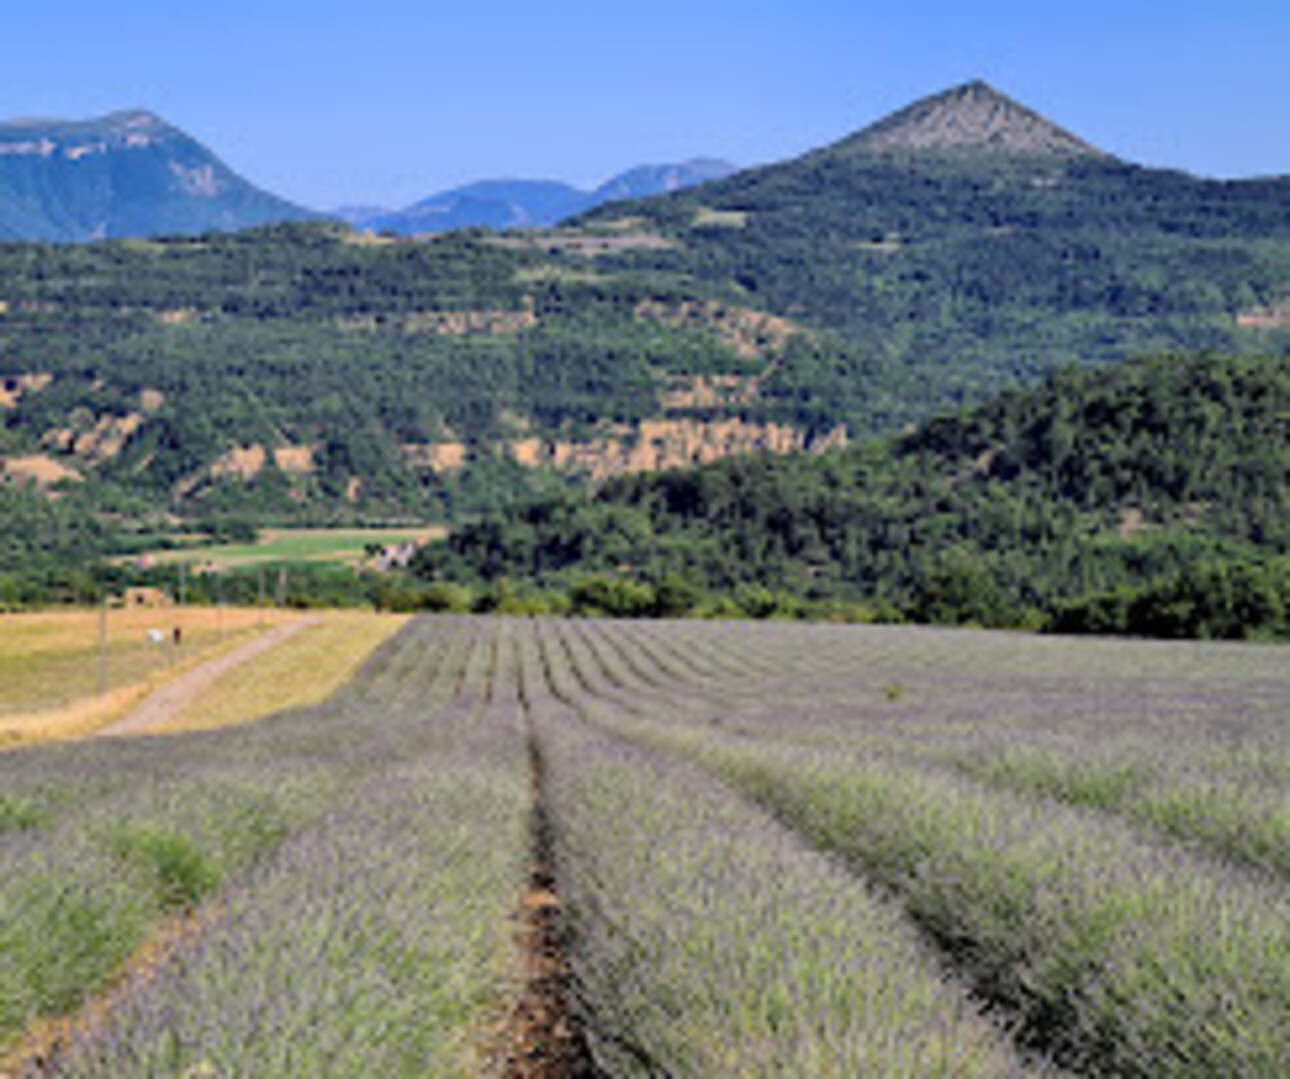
[649, 446]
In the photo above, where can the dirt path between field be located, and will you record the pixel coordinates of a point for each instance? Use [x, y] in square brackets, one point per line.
[541, 1038]
[177, 695]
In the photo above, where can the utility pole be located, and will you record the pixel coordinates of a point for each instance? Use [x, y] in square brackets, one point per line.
[176, 633]
[260, 600]
[103, 670]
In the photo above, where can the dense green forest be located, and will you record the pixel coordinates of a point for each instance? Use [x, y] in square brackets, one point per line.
[305, 373]
[300, 336]
[899, 286]
[46, 548]
[956, 277]
[1152, 498]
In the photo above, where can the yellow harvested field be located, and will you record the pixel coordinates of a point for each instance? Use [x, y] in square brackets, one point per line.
[47, 633]
[51, 664]
[302, 671]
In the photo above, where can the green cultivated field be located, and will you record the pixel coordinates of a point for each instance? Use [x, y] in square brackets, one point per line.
[341, 546]
[770, 850]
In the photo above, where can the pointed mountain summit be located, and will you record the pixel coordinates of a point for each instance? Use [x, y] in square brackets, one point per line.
[974, 119]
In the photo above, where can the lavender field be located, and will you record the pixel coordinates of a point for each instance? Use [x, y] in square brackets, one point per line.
[758, 850]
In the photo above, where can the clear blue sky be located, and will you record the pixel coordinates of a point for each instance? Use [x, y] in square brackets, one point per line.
[387, 101]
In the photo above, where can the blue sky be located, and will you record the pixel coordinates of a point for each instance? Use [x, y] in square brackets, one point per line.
[388, 101]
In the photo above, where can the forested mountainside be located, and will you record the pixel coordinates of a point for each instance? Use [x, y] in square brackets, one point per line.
[127, 174]
[1155, 497]
[965, 245]
[305, 372]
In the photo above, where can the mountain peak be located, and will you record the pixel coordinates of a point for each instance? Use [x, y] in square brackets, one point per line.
[973, 118]
[134, 118]
[114, 124]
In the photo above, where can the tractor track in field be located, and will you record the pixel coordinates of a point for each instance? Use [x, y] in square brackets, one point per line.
[542, 1037]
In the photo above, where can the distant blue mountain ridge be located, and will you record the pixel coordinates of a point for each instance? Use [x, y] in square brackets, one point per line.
[508, 204]
[131, 174]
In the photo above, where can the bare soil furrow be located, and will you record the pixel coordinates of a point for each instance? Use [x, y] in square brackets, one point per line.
[542, 1038]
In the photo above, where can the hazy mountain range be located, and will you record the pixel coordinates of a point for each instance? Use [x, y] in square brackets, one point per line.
[506, 204]
[132, 174]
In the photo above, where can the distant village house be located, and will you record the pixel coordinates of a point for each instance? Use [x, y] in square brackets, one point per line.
[151, 598]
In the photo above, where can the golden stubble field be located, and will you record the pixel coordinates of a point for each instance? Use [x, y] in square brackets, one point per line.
[60, 679]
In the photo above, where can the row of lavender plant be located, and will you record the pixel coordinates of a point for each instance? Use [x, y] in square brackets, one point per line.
[118, 834]
[707, 940]
[374, 943]
[1207, 765]
[1245, 823]
[1119, 955]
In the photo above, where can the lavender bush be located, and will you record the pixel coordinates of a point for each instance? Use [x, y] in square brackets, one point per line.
[780, 849]
[1118, 953]
[708, 940]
